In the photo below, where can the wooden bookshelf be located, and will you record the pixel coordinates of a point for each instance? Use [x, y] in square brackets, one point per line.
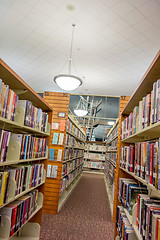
[123, 101]
[55, 197]
[95, 148]
[24, 92]
[110, 162]
[151, 132]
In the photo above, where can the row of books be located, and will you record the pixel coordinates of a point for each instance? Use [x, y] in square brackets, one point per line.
[146, 162]
[128, 191]
[65, 182]
[112, 157]
[110, 174]
[148, 217]
[70, 153]
[8, 102]
[113, 145]
[145, 114]
[89, 164]
[112, 135]
[69, 166]
[25, 177]
[127, 157]
[34, 117]
[94, 147]
[20, 210]
[71, 141]
[124, 228]
[31, 146]
[74, 130]
[94, 156]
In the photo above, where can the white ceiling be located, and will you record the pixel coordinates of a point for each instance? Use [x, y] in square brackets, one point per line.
[114, 41]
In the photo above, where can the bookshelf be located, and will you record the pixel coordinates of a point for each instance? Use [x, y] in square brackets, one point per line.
[94, 156]
[110, 161]
[142, 130]
[69, 165]
[34, 162]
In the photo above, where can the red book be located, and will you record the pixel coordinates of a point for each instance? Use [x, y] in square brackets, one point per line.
[137, 210]
[62, 125]
[132, 158]
[13, 219]
[151, 164]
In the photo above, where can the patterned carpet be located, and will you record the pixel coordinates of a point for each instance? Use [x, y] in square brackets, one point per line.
[85, 215]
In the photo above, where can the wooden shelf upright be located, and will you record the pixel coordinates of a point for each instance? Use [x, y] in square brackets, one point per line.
[123, 102]
[141, 134]
[17, 85]
[56, 193]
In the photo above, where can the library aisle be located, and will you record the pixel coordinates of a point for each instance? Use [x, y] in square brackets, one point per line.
[85, 215]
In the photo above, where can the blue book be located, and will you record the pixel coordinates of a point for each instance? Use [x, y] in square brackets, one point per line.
[55, 138]
[25, 147]
[51, 154]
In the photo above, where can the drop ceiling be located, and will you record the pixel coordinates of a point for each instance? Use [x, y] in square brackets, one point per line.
[114, 42]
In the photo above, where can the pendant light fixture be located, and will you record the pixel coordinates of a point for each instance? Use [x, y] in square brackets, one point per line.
[68, 81]
[81, 109]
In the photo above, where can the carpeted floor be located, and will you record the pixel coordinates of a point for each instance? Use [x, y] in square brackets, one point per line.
[85, 215]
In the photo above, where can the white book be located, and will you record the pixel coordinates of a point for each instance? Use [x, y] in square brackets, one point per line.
[54, 171]
[61, 137]
[59, 156]
[49, 167]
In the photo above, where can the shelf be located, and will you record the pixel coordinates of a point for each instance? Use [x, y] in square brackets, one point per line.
[21, 161]
[67, 186]
[114, 126]
[71, 170]
[73, 159]
[88, 150]
[110, 161]
[145, 86]
[76, 123]
[30, 231]
[112, 140]
[110, 195]
[95, 160]
[147, 133]
[114, 151]
[16, 82]
[13, 125]
[143, 181]
[6, 223]
[132, 220]
[94, 168]
[74, 147]
[79, 139]
[21, 194]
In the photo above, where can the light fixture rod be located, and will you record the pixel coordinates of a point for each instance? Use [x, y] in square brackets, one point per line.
[70, 56]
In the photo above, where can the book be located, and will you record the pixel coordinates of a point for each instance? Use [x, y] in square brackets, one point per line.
[3, 184]
[62, 125]
[55, 125]
[55, 138]
[51, 154]
[61, 137]
[59, 155]
[49, 168]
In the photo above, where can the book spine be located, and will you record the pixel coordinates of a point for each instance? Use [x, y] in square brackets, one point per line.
[151, 164]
